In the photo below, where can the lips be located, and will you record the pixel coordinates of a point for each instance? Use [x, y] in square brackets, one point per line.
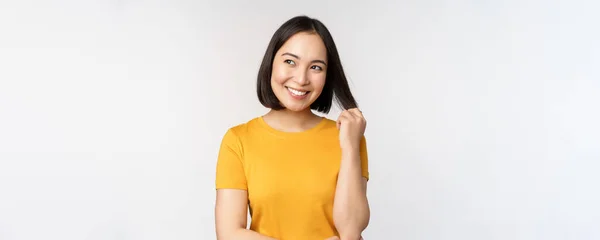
[297, 92]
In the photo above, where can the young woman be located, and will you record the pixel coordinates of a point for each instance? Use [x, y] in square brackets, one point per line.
[302, 176]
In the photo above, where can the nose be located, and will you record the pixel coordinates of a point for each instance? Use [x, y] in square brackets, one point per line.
[301, 78]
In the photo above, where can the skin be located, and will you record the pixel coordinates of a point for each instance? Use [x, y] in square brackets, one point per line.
[301, 64]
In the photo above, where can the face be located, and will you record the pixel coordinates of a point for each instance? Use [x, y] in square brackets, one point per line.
[299, 71]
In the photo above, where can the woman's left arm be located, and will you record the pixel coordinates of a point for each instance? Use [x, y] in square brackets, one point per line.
[351, 211]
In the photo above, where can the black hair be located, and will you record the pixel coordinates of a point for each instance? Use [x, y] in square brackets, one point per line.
[336, 84]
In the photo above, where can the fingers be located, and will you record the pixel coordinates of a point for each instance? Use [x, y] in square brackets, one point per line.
[356, 112]
[344, 117]
[353, 114]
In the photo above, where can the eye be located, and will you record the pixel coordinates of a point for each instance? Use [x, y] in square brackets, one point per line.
[288, 61]
[316, 67]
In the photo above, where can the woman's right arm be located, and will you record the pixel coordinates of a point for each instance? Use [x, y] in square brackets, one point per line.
[231, 211]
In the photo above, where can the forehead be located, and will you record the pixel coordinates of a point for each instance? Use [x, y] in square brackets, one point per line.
[305, 45]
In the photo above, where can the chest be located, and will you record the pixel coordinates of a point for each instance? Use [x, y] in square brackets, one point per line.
[292, 170]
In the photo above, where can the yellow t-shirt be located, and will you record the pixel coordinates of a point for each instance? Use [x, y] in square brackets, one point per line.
[290, 176]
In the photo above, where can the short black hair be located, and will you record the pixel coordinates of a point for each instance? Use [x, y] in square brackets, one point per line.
[336, 84]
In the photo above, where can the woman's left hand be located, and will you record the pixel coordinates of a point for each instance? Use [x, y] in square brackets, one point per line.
[352, 125]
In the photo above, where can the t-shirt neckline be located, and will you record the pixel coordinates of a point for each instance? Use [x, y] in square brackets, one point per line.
[315, 128]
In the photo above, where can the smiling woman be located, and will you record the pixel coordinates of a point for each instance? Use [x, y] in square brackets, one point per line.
[301, 175]
[299, 71]
[305, 41]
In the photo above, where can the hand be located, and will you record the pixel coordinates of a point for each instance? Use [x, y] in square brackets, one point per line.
[351, 124]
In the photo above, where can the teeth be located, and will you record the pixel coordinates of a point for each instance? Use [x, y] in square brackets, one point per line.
[296, 92]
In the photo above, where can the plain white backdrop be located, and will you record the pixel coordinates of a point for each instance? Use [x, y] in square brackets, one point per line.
[483, 116]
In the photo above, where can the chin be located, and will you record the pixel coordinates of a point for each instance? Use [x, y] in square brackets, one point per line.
[296, 108]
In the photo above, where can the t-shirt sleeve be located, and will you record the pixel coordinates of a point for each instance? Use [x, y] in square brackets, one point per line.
[364, 158]
[230, 168]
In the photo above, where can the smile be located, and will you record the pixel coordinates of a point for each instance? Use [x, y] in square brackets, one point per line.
[296, 92]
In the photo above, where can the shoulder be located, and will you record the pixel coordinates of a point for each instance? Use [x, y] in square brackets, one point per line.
[329, 122]
[243, 129]
[329, 125]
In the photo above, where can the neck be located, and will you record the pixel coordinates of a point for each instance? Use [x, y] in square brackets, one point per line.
[291, 121]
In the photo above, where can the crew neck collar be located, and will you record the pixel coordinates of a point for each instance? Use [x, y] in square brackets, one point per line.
[313, 129]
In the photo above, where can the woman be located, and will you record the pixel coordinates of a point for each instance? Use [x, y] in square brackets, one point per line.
[302, 176]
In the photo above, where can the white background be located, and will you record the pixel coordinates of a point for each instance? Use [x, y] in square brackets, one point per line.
[483, 116]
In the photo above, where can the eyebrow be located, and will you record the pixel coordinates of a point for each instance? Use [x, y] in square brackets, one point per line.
[296, 56]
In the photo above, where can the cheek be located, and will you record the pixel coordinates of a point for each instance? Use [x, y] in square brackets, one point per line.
[318, 82]
[279, 74]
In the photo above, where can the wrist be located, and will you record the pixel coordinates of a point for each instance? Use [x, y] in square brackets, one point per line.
[351, 151]
[350, 146]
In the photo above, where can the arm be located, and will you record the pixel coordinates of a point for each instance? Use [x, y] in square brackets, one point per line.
[231, 215]
[351, 211]
[231, 207]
